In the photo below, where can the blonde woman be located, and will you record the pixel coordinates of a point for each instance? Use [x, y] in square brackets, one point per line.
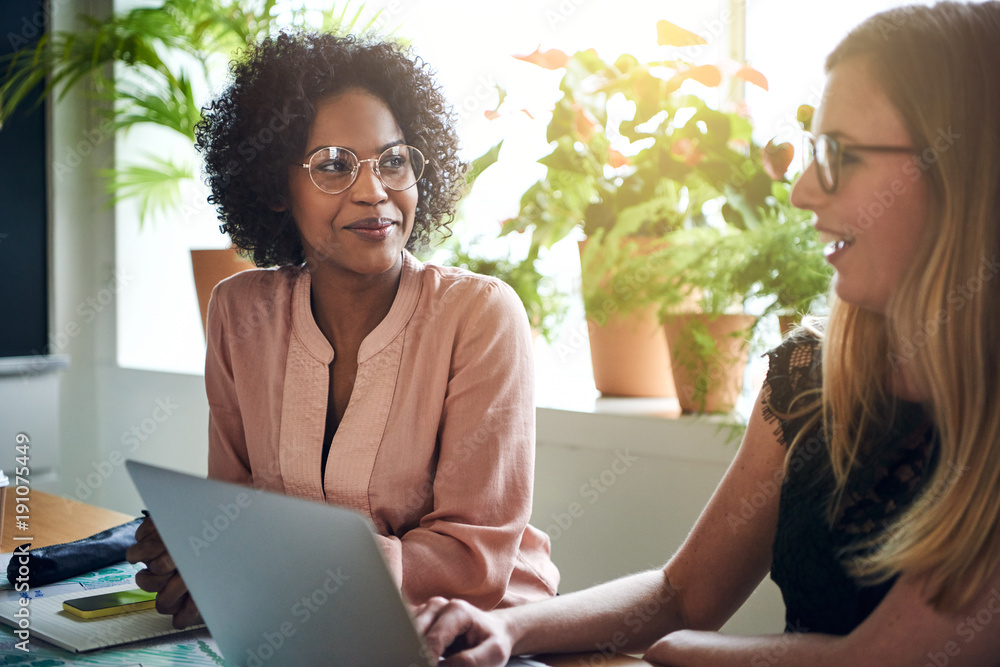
[884, 422]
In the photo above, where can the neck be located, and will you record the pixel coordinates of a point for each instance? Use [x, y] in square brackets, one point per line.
[348, 307]
[904, 384]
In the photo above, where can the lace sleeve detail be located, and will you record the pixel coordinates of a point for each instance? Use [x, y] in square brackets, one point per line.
[794, 367]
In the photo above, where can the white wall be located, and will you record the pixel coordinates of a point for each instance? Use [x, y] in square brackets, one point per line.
[81, 229]
[618, 494]
[100, 402]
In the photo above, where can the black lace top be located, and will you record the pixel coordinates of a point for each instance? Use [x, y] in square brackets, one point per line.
[808, 555]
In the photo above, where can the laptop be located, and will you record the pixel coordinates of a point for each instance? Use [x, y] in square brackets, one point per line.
[280, 580]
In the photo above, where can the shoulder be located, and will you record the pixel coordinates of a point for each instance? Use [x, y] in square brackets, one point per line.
[795, 371]
[470, 293]
[255, 281]
[470, 309]
[255, 285]
[252, 297]
[796, 364]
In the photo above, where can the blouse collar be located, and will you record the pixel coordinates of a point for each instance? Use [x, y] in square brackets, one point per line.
[305, 327]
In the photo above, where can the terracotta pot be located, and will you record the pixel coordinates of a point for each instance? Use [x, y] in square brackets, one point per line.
[210, 268]
[709, 384]
[630, 355]
[629, 351]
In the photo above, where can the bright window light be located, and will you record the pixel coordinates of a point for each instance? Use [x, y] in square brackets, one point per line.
[471, 44]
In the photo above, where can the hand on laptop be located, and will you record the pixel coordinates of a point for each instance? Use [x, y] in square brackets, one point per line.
[468, 635]
[161, 576]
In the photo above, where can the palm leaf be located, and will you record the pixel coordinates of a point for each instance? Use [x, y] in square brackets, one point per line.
[21, 77]
[482, 163]
[174, 108]
[155, 183]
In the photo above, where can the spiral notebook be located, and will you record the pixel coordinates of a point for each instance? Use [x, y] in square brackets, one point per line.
[46, 620]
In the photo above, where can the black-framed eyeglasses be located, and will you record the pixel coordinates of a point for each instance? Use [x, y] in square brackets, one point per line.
[828, 153]
[334, 169]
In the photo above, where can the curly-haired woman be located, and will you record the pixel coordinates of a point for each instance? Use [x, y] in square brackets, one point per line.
[375, 382]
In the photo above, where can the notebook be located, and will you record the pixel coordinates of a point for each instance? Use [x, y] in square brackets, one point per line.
[279, 580]
[47, 620]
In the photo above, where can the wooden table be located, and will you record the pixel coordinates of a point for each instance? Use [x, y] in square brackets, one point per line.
[53, 520]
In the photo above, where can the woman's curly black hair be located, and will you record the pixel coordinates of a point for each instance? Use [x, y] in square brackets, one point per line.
[259, 126]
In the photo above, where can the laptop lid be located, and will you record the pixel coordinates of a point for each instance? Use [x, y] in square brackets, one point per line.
[280, 580]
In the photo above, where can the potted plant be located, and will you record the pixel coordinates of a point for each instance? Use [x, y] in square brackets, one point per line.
[686, 219]
[770, 255]
[636, 157]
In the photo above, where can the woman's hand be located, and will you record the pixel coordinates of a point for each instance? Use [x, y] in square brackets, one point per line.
[465, 635]
[161, 576]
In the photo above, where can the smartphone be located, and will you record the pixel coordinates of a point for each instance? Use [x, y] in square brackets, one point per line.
[110, 604]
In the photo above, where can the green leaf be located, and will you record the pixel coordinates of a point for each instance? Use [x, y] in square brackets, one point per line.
[174, 108]
[563, 123]
[155, 183]
[580, 67]
[566, 157]
[482, 163]
[553, 206]
[656, 213]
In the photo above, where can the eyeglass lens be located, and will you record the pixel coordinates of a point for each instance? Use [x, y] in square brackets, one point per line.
[333, 169]
[825, 152]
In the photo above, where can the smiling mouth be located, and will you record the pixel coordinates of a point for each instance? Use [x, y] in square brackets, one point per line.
[369, 224]
[834, 242]
[373, 230]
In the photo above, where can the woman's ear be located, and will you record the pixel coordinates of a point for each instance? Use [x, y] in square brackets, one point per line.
[278, 204]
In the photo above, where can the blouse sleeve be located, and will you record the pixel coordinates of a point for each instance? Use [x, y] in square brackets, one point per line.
[227, 448]
[468, 544]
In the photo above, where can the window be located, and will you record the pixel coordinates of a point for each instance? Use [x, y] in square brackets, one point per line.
[789, 41]
[471, 44]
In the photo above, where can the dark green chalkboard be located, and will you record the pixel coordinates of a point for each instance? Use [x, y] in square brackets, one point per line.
[24, 308]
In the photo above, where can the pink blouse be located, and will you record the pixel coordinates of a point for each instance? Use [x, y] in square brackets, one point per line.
[436, 446]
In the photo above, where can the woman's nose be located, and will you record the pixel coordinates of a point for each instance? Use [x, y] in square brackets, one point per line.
[807, 192]
[368, 188]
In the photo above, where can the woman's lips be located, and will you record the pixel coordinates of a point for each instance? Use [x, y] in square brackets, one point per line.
[372, 229]
[834, 244]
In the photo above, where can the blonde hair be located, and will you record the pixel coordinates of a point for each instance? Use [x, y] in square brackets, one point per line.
[937, 65]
